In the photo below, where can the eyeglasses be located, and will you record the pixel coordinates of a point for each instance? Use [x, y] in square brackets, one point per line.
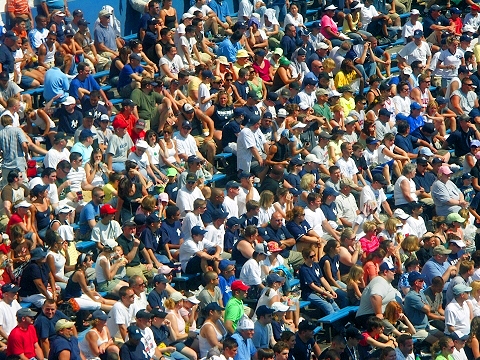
[470, 84]
[190, 182]
[101, 197]
[141, 285]
[80, 160]
[312, 256]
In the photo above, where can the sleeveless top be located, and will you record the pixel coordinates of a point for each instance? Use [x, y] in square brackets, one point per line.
[59, 263]
[73, 289]
[238, 256]
[344, 269]
[113, 69]
[281, 153]
[39, 121]
[170, 21]
[425, 98]
[180, 322]
[50, 55]
[85, 347]
[99, 274]
[43, 218]
[221, 116]
[397, 191]
[256, 88]
[170, 155]
[203, 343]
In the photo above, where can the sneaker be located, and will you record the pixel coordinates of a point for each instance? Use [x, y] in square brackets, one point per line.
[455, 167]
[390, 188]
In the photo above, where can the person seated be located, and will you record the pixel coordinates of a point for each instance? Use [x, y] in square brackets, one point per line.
[192, 256]
[97, 341]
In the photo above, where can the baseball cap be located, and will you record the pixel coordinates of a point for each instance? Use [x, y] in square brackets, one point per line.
[324, 135]
[119, 123]
[274, 277]
[219, 214]
[386, 266]
[288, 135]
[437, 160]
[70, 100]
[134, 332]
[10, 288]
[277, 306]
[245, 175]
[110, 243]
[458, 335]
[213, 306]
[242, 53]
[188, 109]
[63, 324]
[330, 191]
[100, 315]
[239, 285]
[152, 218]
[4, 76]
[191, 177]
[82, 22]
[414, 276]
[414, 12]
[107, 209]
[232, 184]
[445, 170]
[467, 176]
[426, 151]
[128, 102]
[455, 10]
[440, 250]
[407, 70]
[353, 332]
[371, 140]
[260, 249]
[237, 112]
[400, 214]
[37, 254]
[104, 12]
[143, 314]
[11, 35]
[140, 123]
[197, 230]
[312, 158]
[263, 310]
[454, 217]
[38, 189]
[172, 172]
[231, 222]
[384, 112]
[415, 106]
[461, 288]
[272, 96]
[165, 270]
[26, 312]
[422, 160]
[158, 313]
[223, 264]
[77, 12]
[245, 324]
[306, 325]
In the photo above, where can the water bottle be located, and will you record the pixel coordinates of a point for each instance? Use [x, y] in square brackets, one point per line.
[91, 285]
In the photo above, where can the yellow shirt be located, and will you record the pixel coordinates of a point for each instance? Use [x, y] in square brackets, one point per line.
[342, 79]
[108, 190]
[347, 105]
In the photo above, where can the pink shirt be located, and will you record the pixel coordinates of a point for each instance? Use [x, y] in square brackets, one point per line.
[369, 245]
[327, 21]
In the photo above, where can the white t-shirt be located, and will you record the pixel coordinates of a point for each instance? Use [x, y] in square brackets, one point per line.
[205, 9]
[245, 141]
[214, 235]
[102, 232]
[189, 248]
[409, 29]
[174, 66]
[242, 197]
[8, 319]
[367, 13]
[368, 193]
[204, 92]
[447, 58]
[458, 317]
[251, 273]
[148, 342]
[231, 206]
[417, 225]
[189, 221]
[245, 9]
[53, 157]
[315, 219]
[186, 145]
[347, 167]
[186, 198]
[411, 52]
[119, 315]
[189, 44]
[76, 178]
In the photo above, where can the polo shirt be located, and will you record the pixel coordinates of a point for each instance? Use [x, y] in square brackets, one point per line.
[461, 141]
[234, 311]
[127, 246]
[246, 349]
[45, 327]
[458, 317]
[105, 35]
[278, 235]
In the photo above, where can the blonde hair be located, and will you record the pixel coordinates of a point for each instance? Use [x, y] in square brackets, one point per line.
[356, 273]
[475, 287]
[464, 213]
[328, 64]
[306, 180]
[410, 244]
[170, 303]
[369, 226]
[149, 203]
[391, 224]
[266, 199]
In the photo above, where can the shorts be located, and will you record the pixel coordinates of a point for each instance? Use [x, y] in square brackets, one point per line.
[26, 81]
[108, 286]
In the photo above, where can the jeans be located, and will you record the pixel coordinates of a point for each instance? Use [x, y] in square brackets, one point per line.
[280, 12]
[367, 70]
[177, 356]
[118, 166]
[325, 306]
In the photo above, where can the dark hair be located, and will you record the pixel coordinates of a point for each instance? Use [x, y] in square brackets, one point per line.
[400, 85]
[129, 164]
[242, 72]
[332, 169]
[402, 126]
[189, 29]
[402, 339]
[92, 157]
[168, 47]
[48, 171]
[171, 211]
[12, 175]
[286, 335]
[265, 354]
[182, 74]
[331, 244]
[74, 156]
[359, 97]
[81, 66]
[124, 187]
[196, 21]
[64, 165]
[236, 36]
[58, 61]
[230, 343]
[374, 322]
[123, 291]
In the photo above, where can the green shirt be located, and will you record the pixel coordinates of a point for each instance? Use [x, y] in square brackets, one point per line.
[323, 111]
[234, 311]
[146, 103]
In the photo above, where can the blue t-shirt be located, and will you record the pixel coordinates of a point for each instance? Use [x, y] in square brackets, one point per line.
[89, 84]
[45, 327]
[298, 231]
[89, 212]
[230, 238]
[294, 180]
[279, 235]
[414, 303]
[150, 239]
[415, 123]
[124, 78]
[229, 50]
[242, 89]
[407, 143]
[171, 233]
[288, 45]
[224, 285]
[133, 352]
[58, 343]
[6, 58]
[67, 122]
[155, 299]
[309, 275]
[33, 272]
[426, 181]
[172, 189]
[302, 350]
[246, 349]
[207, 215]
[330, 211]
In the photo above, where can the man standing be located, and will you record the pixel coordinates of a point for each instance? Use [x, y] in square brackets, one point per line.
[23, 339]
[8, 309]
[121, 314]
[347, 210]
[13, 139]
[7, 61]
[249, 158]
[247, 191]
[230, 201]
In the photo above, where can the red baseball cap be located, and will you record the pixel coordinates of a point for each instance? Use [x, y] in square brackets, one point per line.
[107, 209]
[239, 285]
[119, 123]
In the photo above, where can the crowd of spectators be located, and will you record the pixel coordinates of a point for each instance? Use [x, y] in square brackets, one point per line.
[350, 176]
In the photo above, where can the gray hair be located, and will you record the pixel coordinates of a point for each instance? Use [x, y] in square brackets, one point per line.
[408, 168]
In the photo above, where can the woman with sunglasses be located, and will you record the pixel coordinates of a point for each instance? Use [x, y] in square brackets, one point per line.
[168, 153]
[95, 169]
[56, 260]
[221, 112]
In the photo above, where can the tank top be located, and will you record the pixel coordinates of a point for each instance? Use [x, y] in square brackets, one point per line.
[50, 55]
[424, 98]
[153, 151]
[39, 121]
[113, 69]
[170, 21]
[203, 342]
[99, 274]
[344, 269]
[59, 263]
[281, 153]
[346, 29]
[221, 116]
[256, 88]
[180, 321]
[85, 347]
[170, 155]
[238, 256]
[397, 191]
[73, 289]
[43, 218]
[277, 82]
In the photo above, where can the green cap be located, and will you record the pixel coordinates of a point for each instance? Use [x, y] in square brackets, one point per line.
[172, 172]
[284, 61]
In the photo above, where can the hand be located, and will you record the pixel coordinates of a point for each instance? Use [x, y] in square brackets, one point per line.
[136, 241]
[149, 266]
[333, 294]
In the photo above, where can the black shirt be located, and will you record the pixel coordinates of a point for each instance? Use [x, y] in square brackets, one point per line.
[461, 140]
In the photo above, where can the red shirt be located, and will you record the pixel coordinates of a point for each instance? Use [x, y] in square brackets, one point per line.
[131, 120]
[22, 341]
[265, 72]
[137, 136]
